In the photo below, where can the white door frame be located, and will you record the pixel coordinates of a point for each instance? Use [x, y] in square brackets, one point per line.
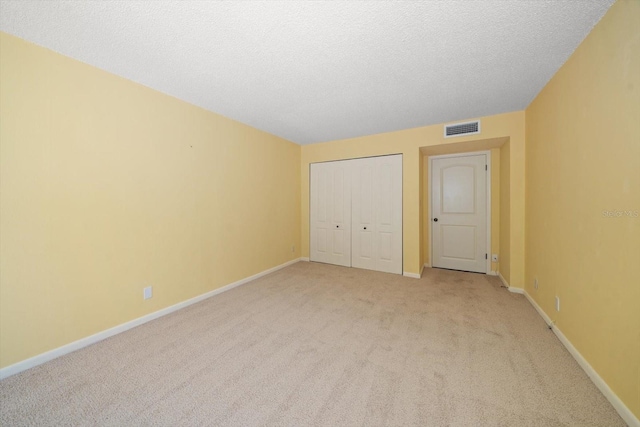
[430, 200]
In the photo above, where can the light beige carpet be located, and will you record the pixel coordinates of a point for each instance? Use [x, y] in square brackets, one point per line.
[316, 344]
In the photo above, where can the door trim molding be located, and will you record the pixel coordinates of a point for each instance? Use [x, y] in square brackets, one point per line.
[487, 153]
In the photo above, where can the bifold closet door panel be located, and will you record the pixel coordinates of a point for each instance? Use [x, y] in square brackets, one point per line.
[330, 213]
[363, 217]
[388, 208]
[377, 214]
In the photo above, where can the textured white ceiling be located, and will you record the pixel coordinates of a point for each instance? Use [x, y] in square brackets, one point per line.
[320, 71]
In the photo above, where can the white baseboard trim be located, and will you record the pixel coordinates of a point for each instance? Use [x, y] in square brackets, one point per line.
[615, 401]
[304, 258]
[622, 409]
[539, 309]
[504, 281]
[421, 270]
[92, 339]
[413, 275]
[492, 273]
[508, 286]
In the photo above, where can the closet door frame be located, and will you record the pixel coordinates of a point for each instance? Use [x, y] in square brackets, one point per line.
[399, 190]
[430, 217]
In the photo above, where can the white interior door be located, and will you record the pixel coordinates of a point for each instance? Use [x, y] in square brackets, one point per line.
[377, 213]
[330, 213]
[459, 212]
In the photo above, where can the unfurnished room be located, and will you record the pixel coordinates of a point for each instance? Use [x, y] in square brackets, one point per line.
[320, 213]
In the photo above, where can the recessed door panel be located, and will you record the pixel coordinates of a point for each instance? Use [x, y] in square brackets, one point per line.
[366, 244]
[458, 242]
[322, 240]
[365, 193]
[321, 196]
[386, 246]
[339, 242]
[338, 194]
[458, 189]
[385, 199]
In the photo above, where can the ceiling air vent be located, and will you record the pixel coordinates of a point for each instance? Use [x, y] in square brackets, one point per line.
[461, 129]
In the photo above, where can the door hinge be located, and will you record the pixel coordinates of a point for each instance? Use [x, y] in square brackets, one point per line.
[485, 256]
[485, 167]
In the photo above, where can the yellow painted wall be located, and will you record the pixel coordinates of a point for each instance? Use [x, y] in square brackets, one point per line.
[504, 266]
[408, 142]
[583, 160]
[108, 186]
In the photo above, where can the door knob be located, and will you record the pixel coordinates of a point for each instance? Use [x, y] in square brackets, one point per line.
[435, 219]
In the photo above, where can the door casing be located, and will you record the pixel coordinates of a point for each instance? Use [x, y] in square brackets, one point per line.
[488, 192]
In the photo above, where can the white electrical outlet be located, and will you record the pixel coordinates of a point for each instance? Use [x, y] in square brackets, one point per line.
[494, 257]
[557, 303]
[535, 283]
[147, 292]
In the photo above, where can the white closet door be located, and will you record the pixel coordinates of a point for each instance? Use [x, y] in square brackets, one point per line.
[330, 213]
[363, 224]
[389, 213]
[377, 214]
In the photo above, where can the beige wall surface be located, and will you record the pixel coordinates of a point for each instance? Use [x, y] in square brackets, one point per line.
[409, 143]
[583, 200]
[108, 186]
